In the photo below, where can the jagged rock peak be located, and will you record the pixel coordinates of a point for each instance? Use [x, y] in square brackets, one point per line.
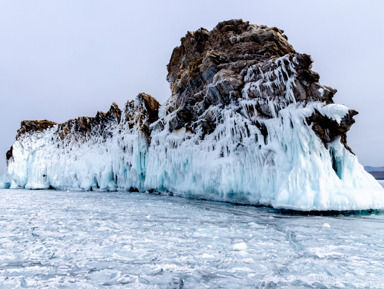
[221, 55]
[141, 113]
[229, 41]
[143, 103]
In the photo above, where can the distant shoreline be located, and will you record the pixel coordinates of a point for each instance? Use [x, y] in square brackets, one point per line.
[379, 175]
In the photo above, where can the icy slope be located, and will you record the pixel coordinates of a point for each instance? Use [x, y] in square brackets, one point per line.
[247, 122]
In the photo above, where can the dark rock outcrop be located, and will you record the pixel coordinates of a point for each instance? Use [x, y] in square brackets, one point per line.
[30, 127]
[209, 68]
[33, 126]
[9, 154]
[328, 130]
[142, 112]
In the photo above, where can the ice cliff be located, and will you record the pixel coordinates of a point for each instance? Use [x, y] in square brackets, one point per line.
[247, 122]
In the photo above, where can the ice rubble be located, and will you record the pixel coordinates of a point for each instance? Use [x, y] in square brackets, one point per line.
[291, 168]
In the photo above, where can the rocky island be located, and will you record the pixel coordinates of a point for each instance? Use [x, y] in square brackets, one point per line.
[247, 122]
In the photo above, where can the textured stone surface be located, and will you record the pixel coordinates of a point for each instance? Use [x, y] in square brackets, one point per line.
[327, 129]
[209, 68]
[141, 112]
[33, 126]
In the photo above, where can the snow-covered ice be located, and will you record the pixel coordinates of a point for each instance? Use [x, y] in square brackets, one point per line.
[55, 239]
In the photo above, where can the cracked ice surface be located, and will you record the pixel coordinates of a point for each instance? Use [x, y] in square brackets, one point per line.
[126, 240]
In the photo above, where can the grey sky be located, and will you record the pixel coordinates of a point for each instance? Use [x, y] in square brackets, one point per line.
[67, 58]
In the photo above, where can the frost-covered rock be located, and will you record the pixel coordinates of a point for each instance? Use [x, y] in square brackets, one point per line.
[105, 152]
[247, 122]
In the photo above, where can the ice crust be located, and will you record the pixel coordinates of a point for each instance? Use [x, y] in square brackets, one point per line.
[55, 239]
[289, 168]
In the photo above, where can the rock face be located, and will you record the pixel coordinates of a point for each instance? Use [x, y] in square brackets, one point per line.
[247, 122]
[209, 68]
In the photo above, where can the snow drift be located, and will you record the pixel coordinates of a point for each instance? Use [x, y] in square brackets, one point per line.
[247, 122]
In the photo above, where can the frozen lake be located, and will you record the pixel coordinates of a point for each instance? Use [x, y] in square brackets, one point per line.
[54, 239]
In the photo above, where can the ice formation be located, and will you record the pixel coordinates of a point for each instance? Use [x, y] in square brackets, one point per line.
[247, 122]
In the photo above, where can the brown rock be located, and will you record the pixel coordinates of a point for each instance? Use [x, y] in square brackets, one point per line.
[32, 126]
[210, 68]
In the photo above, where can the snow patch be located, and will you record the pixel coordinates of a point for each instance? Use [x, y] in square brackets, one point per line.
[240, 246]
[334, 111]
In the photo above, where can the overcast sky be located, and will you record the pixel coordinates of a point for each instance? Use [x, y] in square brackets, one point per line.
[67, 58]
